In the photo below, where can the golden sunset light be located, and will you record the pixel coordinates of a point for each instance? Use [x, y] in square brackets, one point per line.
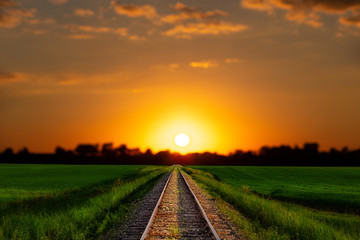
[234, 75]
[182, 140]
[180, 119]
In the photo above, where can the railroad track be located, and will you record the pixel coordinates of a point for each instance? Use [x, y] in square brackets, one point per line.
[178, 214]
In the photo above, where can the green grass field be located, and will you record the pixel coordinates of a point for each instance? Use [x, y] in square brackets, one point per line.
[251, 191]
[22, 181]
[331, 188]
[83, 202]
[69, 202]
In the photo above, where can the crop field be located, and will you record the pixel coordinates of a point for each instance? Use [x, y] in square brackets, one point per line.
[85, 202]
[287, 202]
[22, 181]
[66, 201]
[330, 188]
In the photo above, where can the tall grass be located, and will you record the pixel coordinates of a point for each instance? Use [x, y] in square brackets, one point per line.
[78, 214]
[293, 220]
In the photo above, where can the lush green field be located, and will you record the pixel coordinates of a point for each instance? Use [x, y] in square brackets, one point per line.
[69, 202]
[334, 188]
[261, 216]
[19, 181]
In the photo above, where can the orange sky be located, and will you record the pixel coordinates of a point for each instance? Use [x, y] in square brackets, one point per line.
[232, 75]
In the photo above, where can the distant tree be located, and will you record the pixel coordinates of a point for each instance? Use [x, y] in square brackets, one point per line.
[311, 148]
[87, 149]
[122, 149]
[334, 152]
[345, 150]
[239, 152]
[163, 154]
[264, 151]
[23, 151]
[133, 152]
[8, 152]
[60, 151]
[148, 152]
[107, 149]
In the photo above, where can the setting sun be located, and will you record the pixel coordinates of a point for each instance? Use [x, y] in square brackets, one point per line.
[182, 140]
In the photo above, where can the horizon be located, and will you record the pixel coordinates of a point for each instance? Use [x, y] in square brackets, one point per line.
[114, 147]
[236, 75]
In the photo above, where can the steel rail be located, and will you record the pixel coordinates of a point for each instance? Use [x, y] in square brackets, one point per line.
[202, 210]
[151, 220]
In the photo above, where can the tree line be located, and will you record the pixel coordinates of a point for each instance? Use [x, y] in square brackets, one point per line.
[107, 153]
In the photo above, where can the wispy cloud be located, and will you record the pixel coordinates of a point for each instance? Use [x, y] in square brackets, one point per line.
[306, 11]
[351, 20]
[204, 64]
[12, 77]
[89, 32]
[11, 17]
[121, 32]
[7, 3]
[191, 13]
[232, 60]
[81, 36]
[136, 38]
[80, 12]
[58, 2]
[132, 10]
[208, 28]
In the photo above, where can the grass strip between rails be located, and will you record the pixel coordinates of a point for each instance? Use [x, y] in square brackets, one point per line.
[273, 219]
[104, 206]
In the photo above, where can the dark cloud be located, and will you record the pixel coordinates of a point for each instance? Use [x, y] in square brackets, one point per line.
[132, 10]
[7, 3]
[304, 11]
[191, 13]
[10, 17]
[11, 77]
[351, 20]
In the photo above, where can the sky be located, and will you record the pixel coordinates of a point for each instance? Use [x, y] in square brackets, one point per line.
[234, 74]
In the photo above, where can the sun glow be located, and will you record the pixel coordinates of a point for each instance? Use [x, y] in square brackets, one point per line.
[182, 140]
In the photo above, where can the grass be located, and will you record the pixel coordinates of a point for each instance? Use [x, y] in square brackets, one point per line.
[273, 219]
[174, 233]
[23, 181]
[325, 188]
[83, 211]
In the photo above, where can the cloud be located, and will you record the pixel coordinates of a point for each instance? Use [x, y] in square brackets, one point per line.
[7, 3]
[12, 17]
[232, 60]
[80, 12]
[87, 32]
[136, 38]
[11, 77]
[173, 66]
[81, 36]
[58, 2]
[208, 28]
[191, 13]
[91, 29]
[351, 20]
[304, 11]
[204, 64]
[39, 32]
[121, 32]
[88, 29]
[169, 67]
[311, 18]
[260, 5]
[68, 82]
[132, 10]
